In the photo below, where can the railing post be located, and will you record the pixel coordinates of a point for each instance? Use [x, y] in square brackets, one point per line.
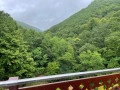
[13, 87]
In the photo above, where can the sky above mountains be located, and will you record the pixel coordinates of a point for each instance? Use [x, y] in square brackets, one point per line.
[42, 13]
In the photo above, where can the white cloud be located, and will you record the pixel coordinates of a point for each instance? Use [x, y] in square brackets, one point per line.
[42, 13]
[2, 5]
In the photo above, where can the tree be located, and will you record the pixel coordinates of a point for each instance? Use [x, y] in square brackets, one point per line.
[41, 60]
[14, 58]
[67, 63]
[112, 45]
[114, 62]
[52, 68]
[91, 61]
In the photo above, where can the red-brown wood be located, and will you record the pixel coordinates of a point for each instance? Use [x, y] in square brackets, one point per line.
[116, 88]
[64, 85]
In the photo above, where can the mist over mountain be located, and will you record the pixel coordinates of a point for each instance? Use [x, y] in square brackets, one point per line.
[42, 13]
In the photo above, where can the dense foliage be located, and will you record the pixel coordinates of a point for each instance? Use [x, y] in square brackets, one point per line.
[88, 40]
[14, 58]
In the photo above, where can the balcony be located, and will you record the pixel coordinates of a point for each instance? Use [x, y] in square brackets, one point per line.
[104, 82]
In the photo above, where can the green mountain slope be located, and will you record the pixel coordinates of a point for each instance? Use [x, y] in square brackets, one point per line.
[97, 9]
[94, 33]
[26, 26]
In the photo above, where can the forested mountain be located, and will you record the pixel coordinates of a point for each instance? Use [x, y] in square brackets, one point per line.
[88, 40]
[94, 30]
[26, 26]
[99, 9]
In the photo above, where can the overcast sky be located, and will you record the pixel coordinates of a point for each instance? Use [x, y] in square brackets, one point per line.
[42, 13]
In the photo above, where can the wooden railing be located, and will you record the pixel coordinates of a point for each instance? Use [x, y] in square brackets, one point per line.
[106, 82]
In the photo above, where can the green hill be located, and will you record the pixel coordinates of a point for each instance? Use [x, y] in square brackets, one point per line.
[26, 26]
[94, 30]
[98, 9]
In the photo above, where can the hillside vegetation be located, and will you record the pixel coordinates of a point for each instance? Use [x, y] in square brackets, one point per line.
[94, 33]
[26, 26]
[88, 40]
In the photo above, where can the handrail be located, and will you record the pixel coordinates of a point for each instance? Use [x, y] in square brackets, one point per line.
[54, 77]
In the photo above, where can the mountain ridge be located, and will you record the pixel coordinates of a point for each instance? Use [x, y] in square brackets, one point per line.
[97, 9]
[27, 26]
